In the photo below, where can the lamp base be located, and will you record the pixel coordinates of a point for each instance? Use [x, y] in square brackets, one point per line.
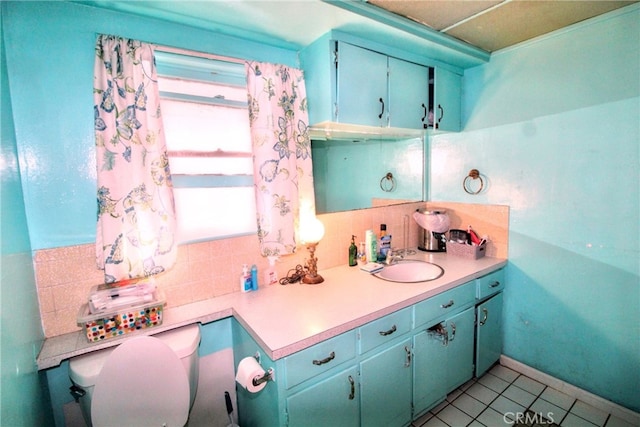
[312, 280]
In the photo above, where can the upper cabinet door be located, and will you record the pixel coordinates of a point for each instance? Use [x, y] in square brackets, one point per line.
[408, 94]
[447, 108]
[361, 89]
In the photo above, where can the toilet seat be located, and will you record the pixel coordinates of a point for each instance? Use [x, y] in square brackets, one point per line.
[142, 383]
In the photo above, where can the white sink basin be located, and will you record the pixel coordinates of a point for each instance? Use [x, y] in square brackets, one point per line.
[410, 271]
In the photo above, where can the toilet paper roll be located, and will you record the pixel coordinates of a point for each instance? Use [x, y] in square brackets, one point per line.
[248, 369]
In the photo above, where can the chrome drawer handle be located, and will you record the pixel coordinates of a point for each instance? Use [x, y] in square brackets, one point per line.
[494, 284]
[389, 332]
[352, 395]
[485, 314]
[447, 305]
[325, 360]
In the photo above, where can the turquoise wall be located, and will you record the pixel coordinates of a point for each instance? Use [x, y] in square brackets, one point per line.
[554, 126]
[50, 50]
[24, 400]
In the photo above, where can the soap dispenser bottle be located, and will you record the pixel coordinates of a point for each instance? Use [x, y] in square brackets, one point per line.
[270, 274]
[353, 252]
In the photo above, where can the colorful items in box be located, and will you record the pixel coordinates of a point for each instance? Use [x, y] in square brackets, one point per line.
[123, 323]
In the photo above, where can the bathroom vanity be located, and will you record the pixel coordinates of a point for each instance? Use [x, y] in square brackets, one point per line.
[394, 364]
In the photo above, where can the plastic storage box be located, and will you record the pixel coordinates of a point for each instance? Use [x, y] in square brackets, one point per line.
[105, 324]
[466, 251]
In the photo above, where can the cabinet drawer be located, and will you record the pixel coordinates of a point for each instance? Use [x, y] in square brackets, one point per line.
[320, 358]
[439, 306]
[490, 284]
[385, 329]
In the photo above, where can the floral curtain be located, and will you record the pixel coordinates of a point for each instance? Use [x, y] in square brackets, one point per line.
[283, 173]
[136, 212]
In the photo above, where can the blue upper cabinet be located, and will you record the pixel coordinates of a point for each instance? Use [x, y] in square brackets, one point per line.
[447, 103]
[408, 94]
[362, 91]
[353, 82]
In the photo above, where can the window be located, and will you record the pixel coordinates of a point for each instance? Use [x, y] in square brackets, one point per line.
[206, 120]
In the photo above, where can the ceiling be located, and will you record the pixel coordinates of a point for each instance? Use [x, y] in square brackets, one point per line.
[494, 25]
[461, 32]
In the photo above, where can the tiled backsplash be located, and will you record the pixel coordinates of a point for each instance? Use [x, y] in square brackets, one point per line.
[205, 270]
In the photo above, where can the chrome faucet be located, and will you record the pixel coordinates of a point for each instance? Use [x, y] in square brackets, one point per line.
[391, 258]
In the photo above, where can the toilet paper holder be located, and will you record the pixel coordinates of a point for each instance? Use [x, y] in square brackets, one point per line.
[268, 375]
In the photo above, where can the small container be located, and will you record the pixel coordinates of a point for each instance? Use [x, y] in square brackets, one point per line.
[254, 277]
[245, 279]
[107, 324]
[466, 251]
[270, 274]
[362, 254]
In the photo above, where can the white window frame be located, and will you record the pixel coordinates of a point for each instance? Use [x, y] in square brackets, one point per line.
[204, 205]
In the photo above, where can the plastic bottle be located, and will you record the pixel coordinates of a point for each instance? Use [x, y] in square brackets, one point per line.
[362, 254]
[371, 248]
[270, 274]
[245, 279]
[353, 252]
[254, 277]
[385, 242]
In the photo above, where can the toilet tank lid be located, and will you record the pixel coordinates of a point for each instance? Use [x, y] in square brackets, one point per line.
[84, 369]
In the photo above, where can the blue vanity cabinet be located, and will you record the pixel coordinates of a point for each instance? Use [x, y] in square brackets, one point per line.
[443, 359]
[447, 104]
[443, 345]
[385, 386]
[385, 370]
[488, 320]
[334, 401]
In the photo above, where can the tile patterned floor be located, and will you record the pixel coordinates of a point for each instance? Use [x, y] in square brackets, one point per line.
[504, 397]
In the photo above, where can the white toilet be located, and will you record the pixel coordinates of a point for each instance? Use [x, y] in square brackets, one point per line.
[145, 381]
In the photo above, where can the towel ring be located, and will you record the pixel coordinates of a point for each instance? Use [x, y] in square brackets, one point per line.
[387, 183]
[473, 174]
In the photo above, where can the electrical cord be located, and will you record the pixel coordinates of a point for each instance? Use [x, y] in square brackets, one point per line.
[294, 275]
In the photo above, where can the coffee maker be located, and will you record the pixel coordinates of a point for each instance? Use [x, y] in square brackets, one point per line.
[433, 226]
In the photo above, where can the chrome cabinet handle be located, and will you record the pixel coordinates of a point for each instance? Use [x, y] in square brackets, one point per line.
[485, 314]
[325, 360]
[447, 305]
[453, 331]
[389, 332]
[381, 112]
[407, 350]
[352, 395]
[494, 284]
[441, 113]
[424, 107]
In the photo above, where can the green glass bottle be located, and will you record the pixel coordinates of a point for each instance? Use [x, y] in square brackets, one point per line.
[353, 253]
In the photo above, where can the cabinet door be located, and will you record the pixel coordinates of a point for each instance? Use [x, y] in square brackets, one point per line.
[429, 376]
[331, 402]
[361, 89]
[489, 333]
[447, 108]
[408, 94]
[460, 349]
[385, 384]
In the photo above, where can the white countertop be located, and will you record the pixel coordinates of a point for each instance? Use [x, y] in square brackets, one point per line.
[286, 319]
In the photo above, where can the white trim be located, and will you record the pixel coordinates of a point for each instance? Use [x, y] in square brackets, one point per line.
[573, 391]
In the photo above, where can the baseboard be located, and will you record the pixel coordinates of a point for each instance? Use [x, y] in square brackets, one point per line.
[573, 391]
